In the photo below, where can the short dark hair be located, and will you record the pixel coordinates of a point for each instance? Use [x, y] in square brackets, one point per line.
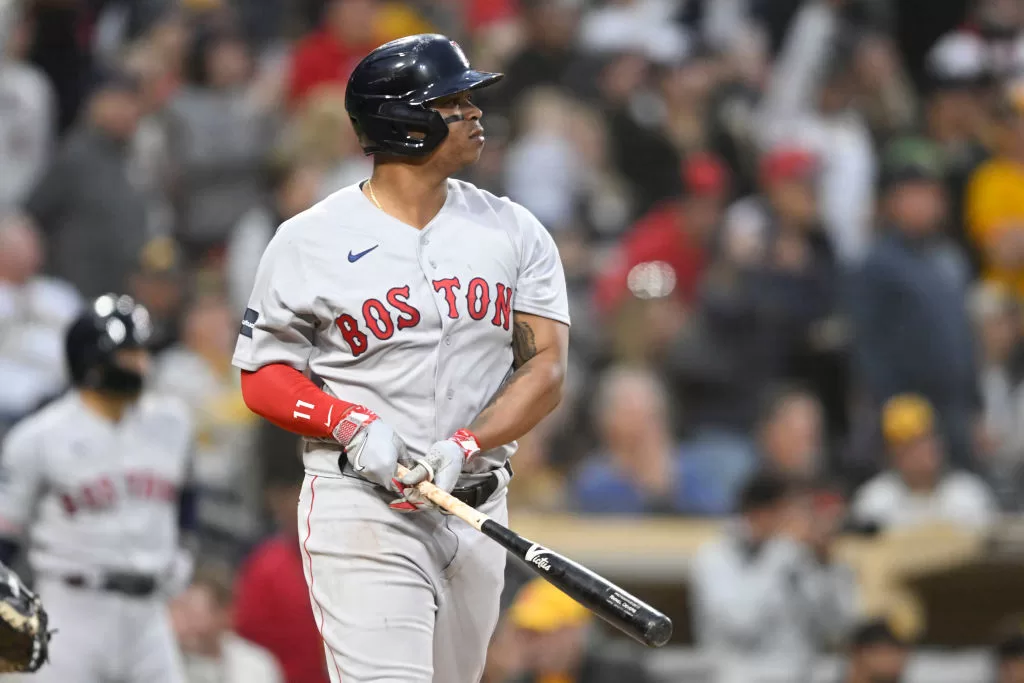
[876, 631]
[765, 489]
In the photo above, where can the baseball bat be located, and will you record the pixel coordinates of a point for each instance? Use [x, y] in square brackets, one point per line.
[625, 612]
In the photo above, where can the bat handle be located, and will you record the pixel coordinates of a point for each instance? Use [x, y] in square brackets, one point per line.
[448, 502]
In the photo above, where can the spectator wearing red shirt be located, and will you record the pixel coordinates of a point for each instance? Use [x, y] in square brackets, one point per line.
[676, 232]
[329, 54]
[272, 600]
[349, 30]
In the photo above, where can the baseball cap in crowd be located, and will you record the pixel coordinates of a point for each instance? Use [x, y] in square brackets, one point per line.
[907, 417]
[787, 163]
[704, 174]
[909, 159]
[958, 60]
[543, 608]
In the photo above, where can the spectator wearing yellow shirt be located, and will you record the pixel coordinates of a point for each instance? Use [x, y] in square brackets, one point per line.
[995, 198]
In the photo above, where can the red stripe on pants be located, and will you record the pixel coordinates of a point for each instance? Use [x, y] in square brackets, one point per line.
[309, 559]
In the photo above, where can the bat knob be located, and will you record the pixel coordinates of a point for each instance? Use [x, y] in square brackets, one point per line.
[658, 631]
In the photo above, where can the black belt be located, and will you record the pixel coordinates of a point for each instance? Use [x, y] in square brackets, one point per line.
[132, 585]
[474, 495]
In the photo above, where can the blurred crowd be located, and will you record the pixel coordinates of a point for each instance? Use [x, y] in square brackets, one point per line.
[793, 233]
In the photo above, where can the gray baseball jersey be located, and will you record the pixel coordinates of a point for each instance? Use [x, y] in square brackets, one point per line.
[97, 496]
[416, 325]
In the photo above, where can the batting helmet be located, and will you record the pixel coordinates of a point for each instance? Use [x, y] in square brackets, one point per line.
[388, 91]
[111, 323]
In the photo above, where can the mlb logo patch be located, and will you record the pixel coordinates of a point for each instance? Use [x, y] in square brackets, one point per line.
[249, 319]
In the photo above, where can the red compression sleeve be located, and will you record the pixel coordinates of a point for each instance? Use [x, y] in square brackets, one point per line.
[290, 400]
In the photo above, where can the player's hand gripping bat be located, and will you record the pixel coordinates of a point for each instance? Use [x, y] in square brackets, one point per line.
[625, 612]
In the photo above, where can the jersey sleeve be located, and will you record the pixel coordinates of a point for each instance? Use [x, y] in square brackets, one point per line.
[540, 289]
[278, 324]
[21, 479]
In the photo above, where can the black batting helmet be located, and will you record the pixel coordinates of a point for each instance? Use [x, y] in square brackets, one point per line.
[388, 91]
[111, 323]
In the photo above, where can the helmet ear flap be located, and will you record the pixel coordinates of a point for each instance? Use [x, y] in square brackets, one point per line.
[403, 129]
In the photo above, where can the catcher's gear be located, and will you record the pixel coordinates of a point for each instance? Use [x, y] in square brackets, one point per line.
[24, 638]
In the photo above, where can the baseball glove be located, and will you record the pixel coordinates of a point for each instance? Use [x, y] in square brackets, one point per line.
[24, 638]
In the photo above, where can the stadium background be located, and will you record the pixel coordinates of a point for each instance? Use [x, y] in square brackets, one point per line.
[793, 233]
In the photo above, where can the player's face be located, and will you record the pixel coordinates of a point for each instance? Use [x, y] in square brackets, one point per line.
[136, 360]
[465, 139]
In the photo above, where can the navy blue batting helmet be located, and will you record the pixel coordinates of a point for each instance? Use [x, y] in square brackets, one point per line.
[388, 93]
[111, 323]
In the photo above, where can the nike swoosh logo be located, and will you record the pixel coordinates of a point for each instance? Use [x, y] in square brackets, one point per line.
[352, 258]
[534, 551]
[328, 422]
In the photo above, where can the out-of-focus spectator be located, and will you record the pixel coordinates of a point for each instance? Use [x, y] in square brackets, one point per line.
[94, 240]
[958, 84]
[645, 27]
[546, 55]
[34, 310]
[639, 148]
[877, 654]
[677, 233]
[685, 88]
[220, 136]
[1009, 653]
[882, 87]
[789, 434]
[639, 467]
[995, 25]
[908, 301]
[150, 163]
[995, 204]
[554, 637]
[61, 48]
[349, 29]
[919, 488]
[770, 288]
[767, 597]
[28, 114]
[781, 230]
[272, 606]
[321, 134]
[201, 618]
[810, 101]
[224, 468]
[158, 283]
[543, 169]
[292, 188]
[997, 317]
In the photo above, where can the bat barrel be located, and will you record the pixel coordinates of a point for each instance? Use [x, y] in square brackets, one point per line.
[625, 612]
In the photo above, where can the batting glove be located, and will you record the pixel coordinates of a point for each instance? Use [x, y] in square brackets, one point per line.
[372, 447]
[441, 464]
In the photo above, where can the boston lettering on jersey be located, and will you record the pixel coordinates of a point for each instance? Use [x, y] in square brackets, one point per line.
[481, 301]
[102, 493]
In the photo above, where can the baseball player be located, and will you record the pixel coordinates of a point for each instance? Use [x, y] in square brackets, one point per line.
[410, 319]
[94, 478]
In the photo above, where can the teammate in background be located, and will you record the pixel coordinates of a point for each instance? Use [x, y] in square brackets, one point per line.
[408, 319]
[95, 479]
